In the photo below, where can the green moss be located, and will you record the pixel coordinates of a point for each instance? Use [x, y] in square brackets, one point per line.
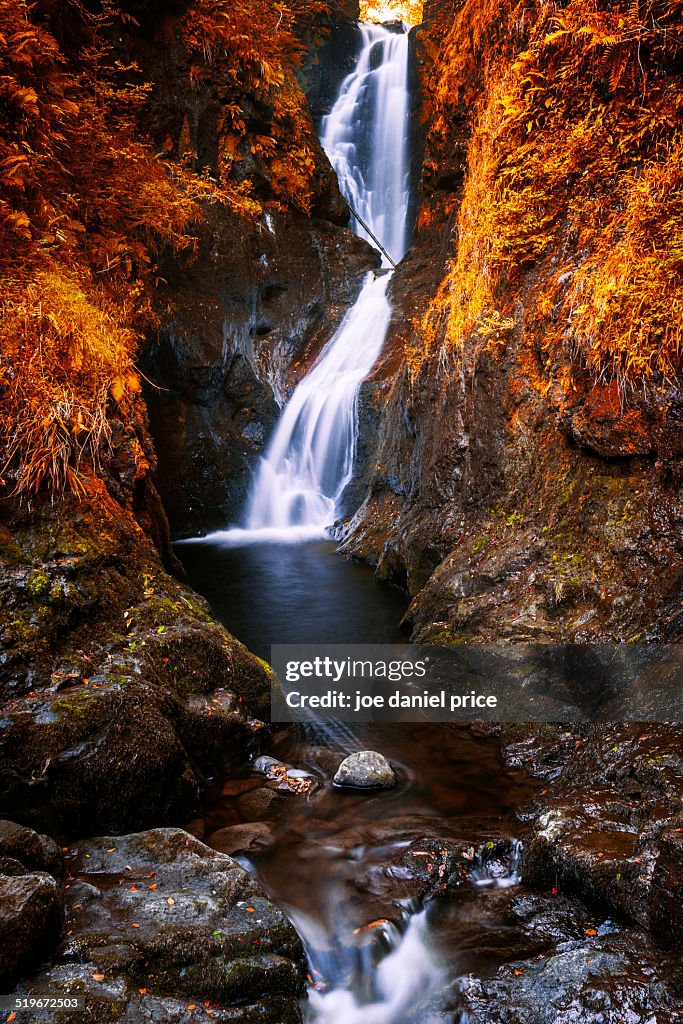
[38, 584]
[20, 632]
[451, 637]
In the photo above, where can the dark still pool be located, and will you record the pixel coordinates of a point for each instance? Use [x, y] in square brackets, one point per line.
[292, 593]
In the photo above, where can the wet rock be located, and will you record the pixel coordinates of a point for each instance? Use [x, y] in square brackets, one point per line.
[607, 825]
[259, 803]
[31, 916]
[364, 770]
[285, 778]
[611, 980]
[158, 921]
[327, 64]
[252, 837]
[269, 766]
[36, 852]
[118, 692]
[250, 313]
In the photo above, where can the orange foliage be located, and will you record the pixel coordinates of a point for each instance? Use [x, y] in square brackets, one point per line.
[256, 45]
[87, 207]
[574, 186]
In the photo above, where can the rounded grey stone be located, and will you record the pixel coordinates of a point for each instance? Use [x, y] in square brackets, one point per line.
[365, 770]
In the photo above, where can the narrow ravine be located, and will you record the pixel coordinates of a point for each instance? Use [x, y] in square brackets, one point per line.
[274, 579]
[400, 896]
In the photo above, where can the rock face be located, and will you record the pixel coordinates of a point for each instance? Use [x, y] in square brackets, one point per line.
[365, 770]
[118, 691]
[157, 922]
[31, 899]
[573, 971]
[258, 303]
[508, 507]
[331, 59]
[609, 822]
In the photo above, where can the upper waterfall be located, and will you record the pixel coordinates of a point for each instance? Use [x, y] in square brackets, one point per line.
[365, 135]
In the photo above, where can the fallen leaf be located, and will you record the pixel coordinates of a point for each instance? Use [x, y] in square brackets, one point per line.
[170, 901]
[591, 931]
[372, 924]
[154, 885]
[98, 977]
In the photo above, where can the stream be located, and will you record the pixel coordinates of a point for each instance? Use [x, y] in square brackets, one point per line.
[353, 870]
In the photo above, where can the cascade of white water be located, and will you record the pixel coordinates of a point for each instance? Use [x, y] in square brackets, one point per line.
[309, 460]
[366, 138]
[403, 981]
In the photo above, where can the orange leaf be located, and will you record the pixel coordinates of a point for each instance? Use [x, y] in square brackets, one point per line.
[98, 977]
[591, 931]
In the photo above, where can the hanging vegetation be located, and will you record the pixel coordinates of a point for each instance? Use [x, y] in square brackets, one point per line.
[573, 193]
[88, 207]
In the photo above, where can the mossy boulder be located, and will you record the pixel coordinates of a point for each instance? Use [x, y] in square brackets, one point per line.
[31, 899]
[118, 691]
[157, 922]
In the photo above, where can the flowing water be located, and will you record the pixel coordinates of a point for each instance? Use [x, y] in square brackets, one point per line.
[366, 138]
[309, 461]
[339, 863]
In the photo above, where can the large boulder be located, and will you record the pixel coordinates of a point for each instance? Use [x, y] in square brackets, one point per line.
[158, 923]
[31, 899]
[118, 692]
[609, 821]
[568, 968]
[30, 920]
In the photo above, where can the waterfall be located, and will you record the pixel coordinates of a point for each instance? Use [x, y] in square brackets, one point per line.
[365, 136]
[402, 984]
[310, 458]
[309, 461]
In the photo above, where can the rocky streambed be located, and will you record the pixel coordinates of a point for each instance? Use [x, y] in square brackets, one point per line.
[509, 874]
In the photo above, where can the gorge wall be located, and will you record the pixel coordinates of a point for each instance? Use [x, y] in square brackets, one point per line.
[524, 483]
